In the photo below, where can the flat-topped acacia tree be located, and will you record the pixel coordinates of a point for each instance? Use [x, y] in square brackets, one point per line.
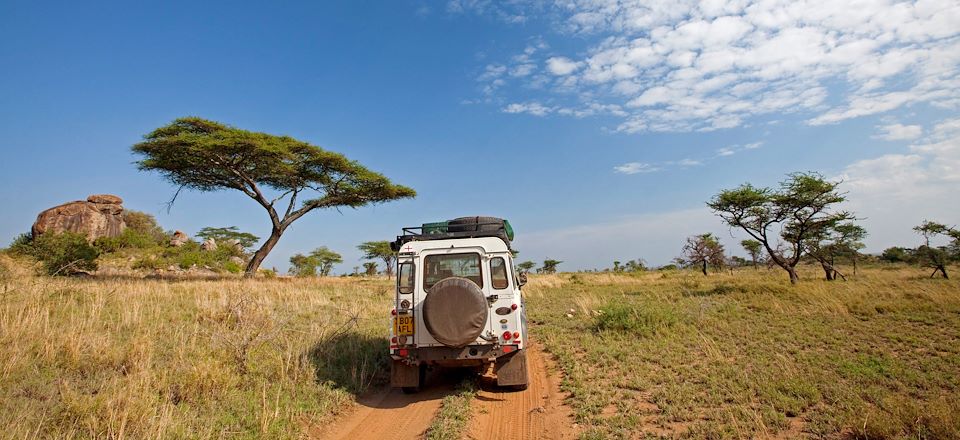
[272, 170]
[802, 207]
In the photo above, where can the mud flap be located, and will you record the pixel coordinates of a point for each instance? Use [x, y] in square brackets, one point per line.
[403, 375]
[512, 370]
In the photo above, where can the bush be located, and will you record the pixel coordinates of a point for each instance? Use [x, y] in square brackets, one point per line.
[61, 254]
[144, 225]
[129, 239]
[641, 320]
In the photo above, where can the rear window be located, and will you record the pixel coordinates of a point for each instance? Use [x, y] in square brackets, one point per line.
[438, 267]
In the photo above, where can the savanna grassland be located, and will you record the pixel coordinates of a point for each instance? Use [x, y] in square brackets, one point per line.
[670, 354]
[140, 358]
[747, 355]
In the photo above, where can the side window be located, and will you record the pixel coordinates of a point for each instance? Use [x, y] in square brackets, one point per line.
[406, 277]
[498, 273]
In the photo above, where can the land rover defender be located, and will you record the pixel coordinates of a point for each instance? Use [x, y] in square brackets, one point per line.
[458, 302]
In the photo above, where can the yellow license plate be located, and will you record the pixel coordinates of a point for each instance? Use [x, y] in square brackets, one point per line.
[403, 325]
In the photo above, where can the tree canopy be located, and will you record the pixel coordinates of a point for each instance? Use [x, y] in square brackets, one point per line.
[287, 177]
[704, 250]
[754, 248]
[550, 266]
[322, 259]
[933, 256]
[221, 235]
[379, 250]
[801, 206]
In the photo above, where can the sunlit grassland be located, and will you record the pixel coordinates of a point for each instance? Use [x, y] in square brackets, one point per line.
[136, 358]
[746, 355]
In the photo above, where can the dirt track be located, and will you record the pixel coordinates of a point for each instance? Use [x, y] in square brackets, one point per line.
[537, 413]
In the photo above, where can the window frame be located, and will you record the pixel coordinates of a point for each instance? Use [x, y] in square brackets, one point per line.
[506, 275]
[413, 276]
[479, 266]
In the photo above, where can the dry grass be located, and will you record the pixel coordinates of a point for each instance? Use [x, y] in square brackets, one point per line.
[746, 355]
[134, 358]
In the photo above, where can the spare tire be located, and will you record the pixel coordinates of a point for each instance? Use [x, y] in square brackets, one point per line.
[455, 311]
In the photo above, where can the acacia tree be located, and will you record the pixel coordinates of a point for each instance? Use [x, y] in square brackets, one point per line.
[326, 258]
[370, 268]
[373, 250]
[525, 266]
[703, 250]
[204, 155]
[755, 249]
[935, 257]
[221, 235]
[550, 265]
[303, 265]
[801, 204]
[832, 240]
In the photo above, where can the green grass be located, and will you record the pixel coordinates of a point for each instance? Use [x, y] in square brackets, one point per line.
[454, 416]
[742, 355]
[95, 358]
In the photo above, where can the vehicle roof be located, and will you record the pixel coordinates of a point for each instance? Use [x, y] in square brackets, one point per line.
[488, 244]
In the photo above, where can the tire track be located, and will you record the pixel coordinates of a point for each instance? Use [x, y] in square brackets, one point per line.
[536, 413]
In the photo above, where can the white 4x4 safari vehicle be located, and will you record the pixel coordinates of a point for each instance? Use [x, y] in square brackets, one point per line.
[458, 302]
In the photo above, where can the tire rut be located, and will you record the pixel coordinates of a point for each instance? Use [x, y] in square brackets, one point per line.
[535, 413]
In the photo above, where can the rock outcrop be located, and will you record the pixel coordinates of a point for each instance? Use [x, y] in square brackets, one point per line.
[101, 215]
[179, 238]
[209, 245]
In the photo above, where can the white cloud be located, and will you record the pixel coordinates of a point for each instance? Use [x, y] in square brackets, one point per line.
[726, 151]
[533, 108]
[689, 162]
[753, 146]
[897, 191]
[635, 168]
[899, 132]
[561, 65]
[686, 66]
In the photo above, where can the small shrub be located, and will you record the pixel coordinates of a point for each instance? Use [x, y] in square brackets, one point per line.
[63, 254]
[129, 239]
[641, 320]
[144, 225]
[22, 245]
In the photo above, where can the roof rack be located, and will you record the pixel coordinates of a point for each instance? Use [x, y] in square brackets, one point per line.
[448, 230]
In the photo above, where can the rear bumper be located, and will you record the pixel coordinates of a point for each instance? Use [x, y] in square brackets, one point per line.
[471, 354]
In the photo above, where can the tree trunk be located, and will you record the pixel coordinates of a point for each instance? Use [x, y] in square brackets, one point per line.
[854, 264]
[704, 268]
[794, 278]
[261, 253]
[942, 270]
[828, 270]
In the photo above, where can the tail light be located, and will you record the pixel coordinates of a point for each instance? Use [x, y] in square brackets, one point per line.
[516, 335]
[507, 335]
[513, 306]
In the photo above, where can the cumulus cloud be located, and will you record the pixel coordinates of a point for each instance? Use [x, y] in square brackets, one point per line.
[694, 66]
[533, 108]
[635, 168]
[894, 192]
[899, 132]
[561, 65]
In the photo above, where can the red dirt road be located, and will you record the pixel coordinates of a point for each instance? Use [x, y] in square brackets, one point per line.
[536, 413]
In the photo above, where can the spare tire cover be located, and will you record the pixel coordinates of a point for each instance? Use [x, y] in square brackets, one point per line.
[455, 311]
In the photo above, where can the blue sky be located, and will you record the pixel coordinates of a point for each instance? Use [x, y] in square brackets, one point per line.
[598, 128]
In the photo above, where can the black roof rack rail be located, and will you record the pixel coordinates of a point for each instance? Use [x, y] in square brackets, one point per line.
[444, 231]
